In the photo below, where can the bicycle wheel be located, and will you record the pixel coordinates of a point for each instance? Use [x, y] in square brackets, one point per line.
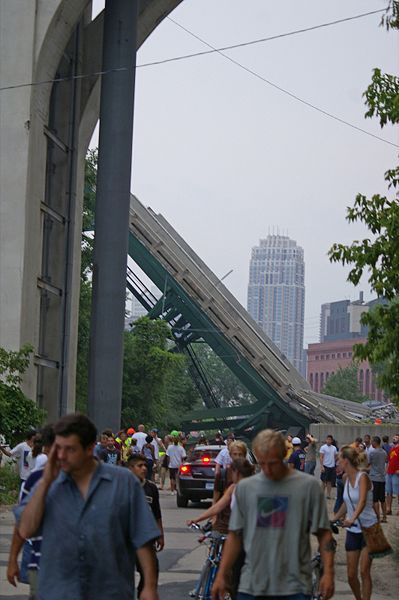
[198, 591]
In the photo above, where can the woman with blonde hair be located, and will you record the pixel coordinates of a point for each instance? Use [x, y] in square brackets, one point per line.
[359, 511]
[240, 468]
[234, 449]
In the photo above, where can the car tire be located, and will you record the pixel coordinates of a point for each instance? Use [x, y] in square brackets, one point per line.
[181, 501]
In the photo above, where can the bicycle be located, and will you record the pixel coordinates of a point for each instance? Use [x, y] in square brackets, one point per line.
[202, 590]
[317, 566]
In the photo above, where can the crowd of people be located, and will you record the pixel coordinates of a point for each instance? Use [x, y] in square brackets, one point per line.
[365, 474]
[89, 523]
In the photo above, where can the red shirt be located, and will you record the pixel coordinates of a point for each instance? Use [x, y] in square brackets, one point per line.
[393, 463]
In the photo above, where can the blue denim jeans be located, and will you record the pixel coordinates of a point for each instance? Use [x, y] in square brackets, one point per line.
[242, 596]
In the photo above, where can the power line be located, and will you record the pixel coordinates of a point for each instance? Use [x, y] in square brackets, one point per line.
[235, 62]
[283, 90]
[60, 79]
[186, 56]
[257, 41]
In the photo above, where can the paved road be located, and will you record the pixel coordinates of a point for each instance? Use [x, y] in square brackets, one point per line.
[180, 561]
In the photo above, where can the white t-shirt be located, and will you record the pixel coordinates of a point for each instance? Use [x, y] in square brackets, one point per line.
[156, 442]
[223, 458]
[41, 460]
[140, 437]
[329, 453]
[21, 452]
[176, 455]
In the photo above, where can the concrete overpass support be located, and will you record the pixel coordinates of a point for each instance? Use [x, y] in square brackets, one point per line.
[16, 66]
[44, 134]
[112, 212]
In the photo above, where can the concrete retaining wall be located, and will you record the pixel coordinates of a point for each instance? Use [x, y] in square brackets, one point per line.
[345, 434]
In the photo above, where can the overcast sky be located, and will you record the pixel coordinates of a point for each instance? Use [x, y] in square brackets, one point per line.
[226, 157]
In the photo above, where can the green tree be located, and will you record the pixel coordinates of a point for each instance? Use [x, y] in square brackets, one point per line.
[89, 202]
[17, 412]
[226, 387]
[344, 384]
[378, 255]
[89, 205]
[146, 368]
[180, 395]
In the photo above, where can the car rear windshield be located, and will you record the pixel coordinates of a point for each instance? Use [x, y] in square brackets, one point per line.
[199, 454]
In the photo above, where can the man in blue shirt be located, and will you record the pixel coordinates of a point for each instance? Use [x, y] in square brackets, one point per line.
[297, 458]
[94, 519]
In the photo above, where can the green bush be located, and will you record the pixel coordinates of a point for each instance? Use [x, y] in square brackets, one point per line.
[9, 484]
[18, 414]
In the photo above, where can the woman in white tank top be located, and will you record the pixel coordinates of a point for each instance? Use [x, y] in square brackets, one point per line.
[359, 511]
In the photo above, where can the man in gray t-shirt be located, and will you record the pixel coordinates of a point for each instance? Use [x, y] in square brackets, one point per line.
[273, 514]
[377, 458]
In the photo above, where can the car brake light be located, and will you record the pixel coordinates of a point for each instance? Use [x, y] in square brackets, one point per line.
[185, 469]
[206, 459]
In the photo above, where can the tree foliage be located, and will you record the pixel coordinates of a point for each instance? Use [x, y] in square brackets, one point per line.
[89, 204]
[18, 413]
[156, 390]
[226, 387]
[390, 19]
[82, 362]
[87, 245]
[344, 384]
[378, 255]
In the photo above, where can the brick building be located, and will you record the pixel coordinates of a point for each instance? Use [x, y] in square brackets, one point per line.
[324, 359]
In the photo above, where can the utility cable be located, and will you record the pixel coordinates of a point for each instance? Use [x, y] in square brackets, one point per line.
[283, 90]
[235, 62]
[186, 56]
[257, 41]
[60, 79]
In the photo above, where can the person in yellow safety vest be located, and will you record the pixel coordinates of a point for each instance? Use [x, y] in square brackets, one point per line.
[123, 443]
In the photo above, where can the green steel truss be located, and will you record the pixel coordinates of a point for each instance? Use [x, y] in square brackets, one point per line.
[189, 323]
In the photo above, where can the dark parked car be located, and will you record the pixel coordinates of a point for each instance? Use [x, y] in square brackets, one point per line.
[196, 476]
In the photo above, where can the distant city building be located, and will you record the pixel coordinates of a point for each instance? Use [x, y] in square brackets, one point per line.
[341, 320]
[276, 294]
[340, 330]
[326, 358]
[135, 309]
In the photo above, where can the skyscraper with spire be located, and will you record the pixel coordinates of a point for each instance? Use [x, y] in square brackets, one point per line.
[276, 294]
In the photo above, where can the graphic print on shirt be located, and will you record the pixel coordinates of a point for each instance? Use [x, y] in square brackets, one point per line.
[272, 511]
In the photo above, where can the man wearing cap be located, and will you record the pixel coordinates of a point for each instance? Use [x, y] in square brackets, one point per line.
[297, 458]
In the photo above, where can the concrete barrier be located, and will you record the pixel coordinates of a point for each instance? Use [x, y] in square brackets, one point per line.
[346, 434]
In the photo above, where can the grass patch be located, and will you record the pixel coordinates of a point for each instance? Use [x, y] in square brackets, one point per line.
[9, 484]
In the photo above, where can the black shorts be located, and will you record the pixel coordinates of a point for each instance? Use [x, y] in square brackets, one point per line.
[354, 541]
[173, 473]
[328, 474]
[378, 491]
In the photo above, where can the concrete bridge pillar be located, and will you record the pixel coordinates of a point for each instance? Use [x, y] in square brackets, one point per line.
[45, 130]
